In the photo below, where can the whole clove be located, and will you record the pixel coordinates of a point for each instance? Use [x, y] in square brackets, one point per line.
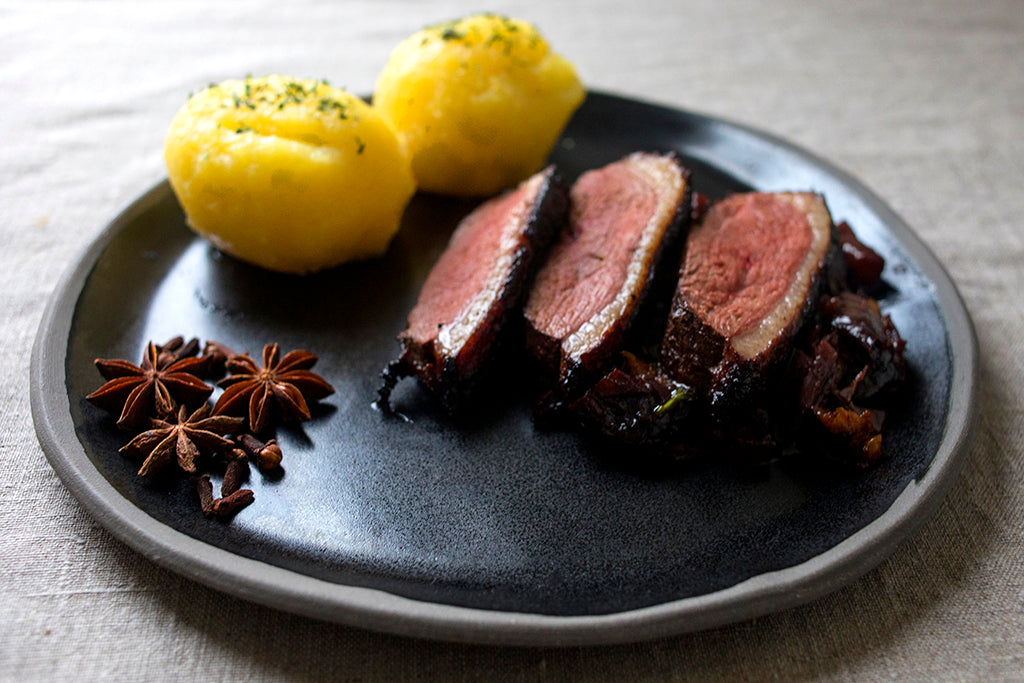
[267, 455]
[176, 348]
[205, 490]
[216, 355]
[228, 506]
[237, 472]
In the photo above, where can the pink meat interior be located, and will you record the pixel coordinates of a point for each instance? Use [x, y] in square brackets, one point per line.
[587, 268]
[742, 259]
[465, 267]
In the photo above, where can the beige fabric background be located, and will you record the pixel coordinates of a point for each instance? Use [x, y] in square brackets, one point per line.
[924, 101]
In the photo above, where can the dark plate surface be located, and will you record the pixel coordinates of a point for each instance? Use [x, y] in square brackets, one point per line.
[493, 531]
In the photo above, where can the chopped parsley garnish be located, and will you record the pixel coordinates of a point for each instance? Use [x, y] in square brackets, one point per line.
[326, 105]
[501, 29]
[256, 93]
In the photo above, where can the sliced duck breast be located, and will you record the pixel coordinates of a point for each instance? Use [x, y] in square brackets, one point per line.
[476, 289]
[752, 272]
[624, 221]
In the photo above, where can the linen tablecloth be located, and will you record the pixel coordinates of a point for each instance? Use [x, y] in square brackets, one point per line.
[923, 101]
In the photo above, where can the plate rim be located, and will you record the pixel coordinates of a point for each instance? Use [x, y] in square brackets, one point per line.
[375, 609]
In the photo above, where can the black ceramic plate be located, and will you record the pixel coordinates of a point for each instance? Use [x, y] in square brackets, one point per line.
[493, 531]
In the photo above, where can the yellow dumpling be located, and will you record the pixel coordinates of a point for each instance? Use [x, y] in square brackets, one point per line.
[479, 102]
[292, 175]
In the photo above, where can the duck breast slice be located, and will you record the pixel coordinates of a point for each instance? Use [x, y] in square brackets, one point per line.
[476, 289]
[752, 273]
[624, 221]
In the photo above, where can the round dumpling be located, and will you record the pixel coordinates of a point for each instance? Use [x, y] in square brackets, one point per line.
[479, 102]
[292, 175]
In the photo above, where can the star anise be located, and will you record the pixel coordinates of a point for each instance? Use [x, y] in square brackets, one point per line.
[184, 438]
[280, 388]
[151, 389]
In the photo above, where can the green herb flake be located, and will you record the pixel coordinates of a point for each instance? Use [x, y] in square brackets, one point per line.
[680, 394]
[329, 105]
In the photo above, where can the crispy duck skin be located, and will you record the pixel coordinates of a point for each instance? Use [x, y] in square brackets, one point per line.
[625, 222]
[476, 289]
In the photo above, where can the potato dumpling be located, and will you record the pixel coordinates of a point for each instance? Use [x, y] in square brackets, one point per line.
[292, 175]
[478, 102]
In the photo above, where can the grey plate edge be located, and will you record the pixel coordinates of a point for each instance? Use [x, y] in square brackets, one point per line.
[378, 610]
